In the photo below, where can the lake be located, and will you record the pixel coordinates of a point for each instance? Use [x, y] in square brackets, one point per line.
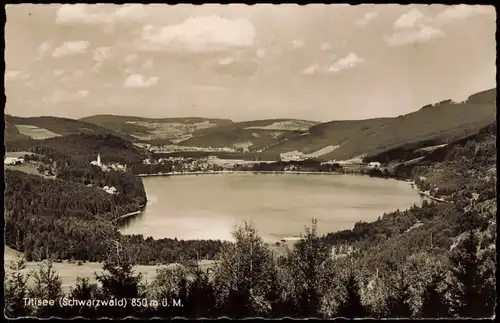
[280, 205]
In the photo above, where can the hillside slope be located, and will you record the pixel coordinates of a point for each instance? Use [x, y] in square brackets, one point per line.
[48, 127]
[155, 129]
[255, 135]
[432, 125]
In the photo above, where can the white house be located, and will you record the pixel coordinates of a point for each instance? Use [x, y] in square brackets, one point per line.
[374, 165]
[13, 160]
[292, 156]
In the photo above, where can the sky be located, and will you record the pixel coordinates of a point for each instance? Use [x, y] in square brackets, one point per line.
[314, 62]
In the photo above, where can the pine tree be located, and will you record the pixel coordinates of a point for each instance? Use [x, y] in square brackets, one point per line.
[16, 290]
[467, 299]
[434, 304]
[398, 302]
[352, 307]
[47, 286]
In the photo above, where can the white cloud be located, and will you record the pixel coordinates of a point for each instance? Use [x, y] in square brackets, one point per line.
[148, 63]
[261, 53]
[71, 48]
[310, 70]
[298, 43]
[226, 61]
[69, 14]
[200, 34]
[349, 61]
[130, 13]
[411, 19]
[462, 11]
[414, 36]
[139, 81]
[83, 93]
[325, 46]
[367, 18]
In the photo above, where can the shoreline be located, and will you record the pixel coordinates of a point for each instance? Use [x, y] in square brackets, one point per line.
[237, 171]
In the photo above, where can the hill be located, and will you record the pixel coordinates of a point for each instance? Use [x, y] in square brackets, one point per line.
[154, 130]
[432, 125]
[255, 135]
[82, 148]
[48, 127]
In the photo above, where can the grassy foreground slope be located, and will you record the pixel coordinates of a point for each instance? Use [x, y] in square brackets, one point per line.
[432, 125]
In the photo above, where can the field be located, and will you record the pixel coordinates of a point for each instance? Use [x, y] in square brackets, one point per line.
[35, 132]
[69, 272]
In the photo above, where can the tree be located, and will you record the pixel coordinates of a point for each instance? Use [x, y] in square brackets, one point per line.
[16, 289]
[48, 287]
[306, 263]
[244, 273]
[351, 306]
[398, 302]
[434, 305]
[468, 282]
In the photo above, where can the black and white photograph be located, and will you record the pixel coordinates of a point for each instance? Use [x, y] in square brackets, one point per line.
[250, 161]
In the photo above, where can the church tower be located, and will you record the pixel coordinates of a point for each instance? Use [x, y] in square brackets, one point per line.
[99, 159]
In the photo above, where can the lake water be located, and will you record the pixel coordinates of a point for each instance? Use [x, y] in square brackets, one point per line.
[281, 205]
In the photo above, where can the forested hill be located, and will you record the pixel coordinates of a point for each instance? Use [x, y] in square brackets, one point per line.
[83, 148]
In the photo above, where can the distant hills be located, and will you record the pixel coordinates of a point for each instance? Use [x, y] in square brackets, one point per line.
[434, 124]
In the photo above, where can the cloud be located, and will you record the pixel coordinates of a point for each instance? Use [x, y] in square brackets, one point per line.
[414, 36]
[298, 43]
[347, 62]
[325, 46]
[69, 14]
[102, 54]
[139, 81]
[367, 18]
[201, 34]
[72, 14]
[71, 48]
[413, 28]
[462, 11]
[226, 61]
[83, 93]
[310, 70]
[130, 13]
[261, 53]
[411, 19]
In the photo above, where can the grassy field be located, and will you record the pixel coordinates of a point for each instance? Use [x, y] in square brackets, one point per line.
[35, 132]
[69, 272]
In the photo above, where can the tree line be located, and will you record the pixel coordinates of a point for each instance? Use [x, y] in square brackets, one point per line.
[248, 280]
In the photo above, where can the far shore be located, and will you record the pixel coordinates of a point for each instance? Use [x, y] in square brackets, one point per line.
[238, 171]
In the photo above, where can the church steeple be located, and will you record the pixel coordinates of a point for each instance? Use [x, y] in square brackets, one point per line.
[98, 159]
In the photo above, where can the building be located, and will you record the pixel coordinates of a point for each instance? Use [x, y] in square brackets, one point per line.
[13, 161]
[97, 162]
[292, 156]
[374, 165]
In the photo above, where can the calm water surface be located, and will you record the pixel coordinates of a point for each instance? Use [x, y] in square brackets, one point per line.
[208, 206]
